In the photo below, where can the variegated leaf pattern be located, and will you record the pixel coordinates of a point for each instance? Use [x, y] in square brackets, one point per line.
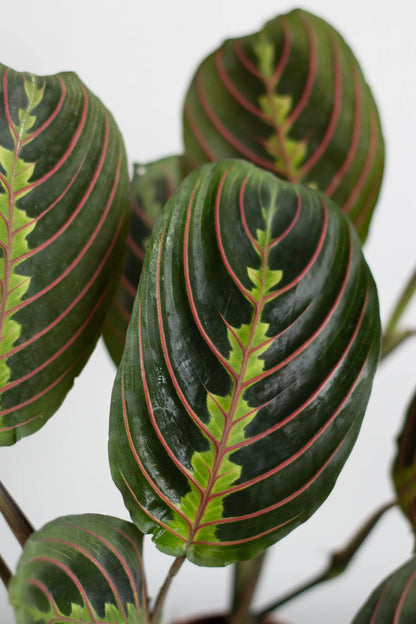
[81, 569]
[63, 216]
[152, 185]
[248, 364]
[394, 600]
[404, 466]
[292, 99]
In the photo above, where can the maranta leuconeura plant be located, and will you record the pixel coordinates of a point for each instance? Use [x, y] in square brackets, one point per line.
[290, 98]
[63, 216]
[247, 356]
[248, 364]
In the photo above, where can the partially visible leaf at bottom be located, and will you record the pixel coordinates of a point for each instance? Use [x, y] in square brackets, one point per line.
[394, 600]
[77, 569]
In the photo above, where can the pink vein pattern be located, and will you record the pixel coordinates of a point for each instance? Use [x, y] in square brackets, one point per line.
[237, 192]
[226, 103]
[96, 205]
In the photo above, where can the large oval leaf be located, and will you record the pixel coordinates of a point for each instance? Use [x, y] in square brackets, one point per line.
[152, 185]
[78, 569]
[63, 209]
[248, 364]
[394, 600]
[404, 466]
[292, 99]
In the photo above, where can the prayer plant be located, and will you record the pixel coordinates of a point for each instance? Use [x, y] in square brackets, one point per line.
[246, 360]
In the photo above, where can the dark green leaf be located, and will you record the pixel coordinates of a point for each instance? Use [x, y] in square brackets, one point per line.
[63, 211]
[394, 600]
[151, 187]
[404, 466]
[80, 569]
[248, 364]
[292, 99]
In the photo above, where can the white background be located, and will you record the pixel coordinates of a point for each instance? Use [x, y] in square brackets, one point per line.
[139, 57]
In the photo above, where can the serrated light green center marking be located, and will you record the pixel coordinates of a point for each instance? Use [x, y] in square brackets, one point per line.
[288, 154]
[81, 614]
[15, 225]
[248, 343]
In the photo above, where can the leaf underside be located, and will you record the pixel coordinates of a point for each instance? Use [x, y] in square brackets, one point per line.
[152, 185]
[248, 364]
[292, 99]
[81, 569]
[394, 600]
[63, 211]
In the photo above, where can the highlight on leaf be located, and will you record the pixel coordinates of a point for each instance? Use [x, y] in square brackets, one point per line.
[394, 600]
[292, 99]
[63, 216]
[81, 569]
[151, 186]
[248, 364]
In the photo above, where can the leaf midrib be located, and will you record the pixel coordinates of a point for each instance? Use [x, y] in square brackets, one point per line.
[239, 388]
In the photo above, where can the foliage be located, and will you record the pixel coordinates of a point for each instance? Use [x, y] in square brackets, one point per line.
[247, 356]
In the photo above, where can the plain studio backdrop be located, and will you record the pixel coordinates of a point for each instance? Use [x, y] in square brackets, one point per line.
[139, 57]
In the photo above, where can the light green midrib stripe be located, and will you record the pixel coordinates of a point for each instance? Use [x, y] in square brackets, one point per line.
[221, 451]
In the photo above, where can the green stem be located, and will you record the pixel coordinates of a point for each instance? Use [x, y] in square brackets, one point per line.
[5, 574]
[393, 340]
[338, 563]
[15, 518]
[246, 576]
[393, 337]
[160, 599]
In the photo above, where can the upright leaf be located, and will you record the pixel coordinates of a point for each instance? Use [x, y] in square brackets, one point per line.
[394, 600]
[248, 364]
[292, 99]
[63, 209]
[81, 569]
[151, 187]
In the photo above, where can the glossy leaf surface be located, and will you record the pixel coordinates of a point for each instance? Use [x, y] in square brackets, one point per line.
[292, 99]
[80, 569]
[151, 187]
[404, 466]
[248, 364]
[394, 600]
[63, 211]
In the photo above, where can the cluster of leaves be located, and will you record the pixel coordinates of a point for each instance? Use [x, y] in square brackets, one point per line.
[246, 360]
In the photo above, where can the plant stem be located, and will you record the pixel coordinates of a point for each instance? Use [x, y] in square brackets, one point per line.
[392, 336]
[246, 576]
[393, 340]
[15, 518]
[338, 562]
[5, 574]
[160, 599]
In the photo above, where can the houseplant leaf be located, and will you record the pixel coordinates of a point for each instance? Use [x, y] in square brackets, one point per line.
[292, 99]
[394, 600]
[77, 569]
[404, 466]
[152, 185]
[63, 212]
[248, 364]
